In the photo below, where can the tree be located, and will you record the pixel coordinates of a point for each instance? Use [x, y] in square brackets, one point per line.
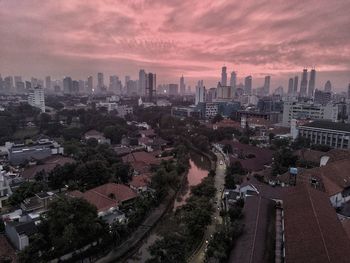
[92, 174]
[227, 148]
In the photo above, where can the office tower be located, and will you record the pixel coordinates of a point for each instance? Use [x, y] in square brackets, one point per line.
[349, 91]
[19, 84]
[151, 84]
[312, 81]
[279, 91]
[182, 85]
[211, 96]
[142, 82]
[34, 82]
[267, 85]
[100, 82]
[28, 85]
[290, 86]
[296, 84]
[200, 92]
[1, 85]
[8, 84]
[248, 85]
[115, 85]
[89, 85]
[67, 85]
[48, 83]
[36, 98]
[75, 87]
[81, 86]
[173, 89]
[328, 86]
[303, 84]
[322, 97]
[131, 87]
[233, 81]
[223, 76]
[17, 79]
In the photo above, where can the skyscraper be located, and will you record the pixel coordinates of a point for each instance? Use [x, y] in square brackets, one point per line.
[67, 85]
[115, 85]
[233, 81]
[182, 85]
[142, 82]
[100, 82]
[328, 86]
[1, 85]
[89, 85]
[151, 84]
[303, 84]
[223, 76]
[267, 85]
[36, 98]
[296, 84]
[200, 92]
[312, 81]
[290, 86]
[48, 83]
[248, 85]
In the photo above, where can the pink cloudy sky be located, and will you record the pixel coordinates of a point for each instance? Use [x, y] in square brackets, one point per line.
[174, 37]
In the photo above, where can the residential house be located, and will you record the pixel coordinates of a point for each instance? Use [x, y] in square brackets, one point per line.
[19, 233]
[93, 134]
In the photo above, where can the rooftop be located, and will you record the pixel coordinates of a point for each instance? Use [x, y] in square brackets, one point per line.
[337, 126]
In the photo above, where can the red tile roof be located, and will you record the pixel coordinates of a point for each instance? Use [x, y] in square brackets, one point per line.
[121, 192]
[140, 181]
[313, 232]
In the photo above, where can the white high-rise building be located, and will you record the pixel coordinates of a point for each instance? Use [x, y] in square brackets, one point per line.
[200, 92]
[233, 83]
[36, 98]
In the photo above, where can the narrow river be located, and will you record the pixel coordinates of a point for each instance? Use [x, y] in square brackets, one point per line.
[199, 167]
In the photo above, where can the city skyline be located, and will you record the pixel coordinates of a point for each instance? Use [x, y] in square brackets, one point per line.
[81, 38]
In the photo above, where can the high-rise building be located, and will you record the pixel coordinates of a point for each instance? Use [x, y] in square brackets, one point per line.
[115, 85]
[48, 83]
[182, 85]
[290, 86]
[89, 85]
[1, 85]
[173, 89]
[328, 86]
[75, 87]
[279, 91]
[28, 85]
[322, 97]
[200, 92]
[349, 91]
[67, 85]
[36, 98]
[233, 83]
[267, 85]
[248, 85]
[35, 82]
[81, 86]
[296, 84]
[151, 84]
[100, 82]
[312, 81]
[8, 84]
[142, 82]
[223, 76]
[303, 84]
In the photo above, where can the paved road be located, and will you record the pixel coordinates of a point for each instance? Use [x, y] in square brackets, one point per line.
[198, 257]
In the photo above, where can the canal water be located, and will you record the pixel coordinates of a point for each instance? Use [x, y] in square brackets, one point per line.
[199, 168]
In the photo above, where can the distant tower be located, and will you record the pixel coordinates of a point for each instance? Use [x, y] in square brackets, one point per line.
[89, 85]
[142, 82]
[328, 86]
[303, 84]
[248, 85]
[312, 83]
[36, 98]
[223, 76]
[267, 85]
[296, 83]
[349, 91]
[182, 85]
[233, 83]
[48, 83]
[151, 85]
[290, 86]
[200, 92]
[100, 82]
[67, 85]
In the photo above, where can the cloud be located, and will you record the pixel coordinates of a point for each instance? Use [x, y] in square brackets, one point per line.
[80, 37]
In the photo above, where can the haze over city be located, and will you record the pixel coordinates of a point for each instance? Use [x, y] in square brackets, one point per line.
[193, 38]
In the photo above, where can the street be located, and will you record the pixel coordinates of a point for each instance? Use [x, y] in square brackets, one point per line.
[199, 255]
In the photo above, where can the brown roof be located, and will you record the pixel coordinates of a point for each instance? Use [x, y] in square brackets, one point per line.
[121, 192]
[141, 161]
[140, 181]
[101, 202]
[310, 155]
[148, 133]
[313, 233]
[49, 164]
[6, 250]
[262, 157]
[93, 133]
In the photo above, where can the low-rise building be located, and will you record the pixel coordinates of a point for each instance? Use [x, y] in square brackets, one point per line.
[19, 233]
[93, 134]
[335, 135]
